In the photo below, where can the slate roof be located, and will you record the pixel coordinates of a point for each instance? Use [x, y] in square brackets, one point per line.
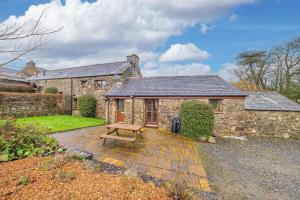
[18, 79]
[270, 101]
[190, 86]
[84, 71]
[4, 71]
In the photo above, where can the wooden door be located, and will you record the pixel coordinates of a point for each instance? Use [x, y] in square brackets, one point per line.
[151, 115]
[120, 110]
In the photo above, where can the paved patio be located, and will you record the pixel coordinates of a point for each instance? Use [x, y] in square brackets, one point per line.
[158, 154]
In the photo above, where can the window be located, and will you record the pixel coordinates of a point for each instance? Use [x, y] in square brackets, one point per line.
[216, 104]
[101, 83]
[83, 83]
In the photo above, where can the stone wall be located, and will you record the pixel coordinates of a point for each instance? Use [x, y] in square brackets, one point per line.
[228, 121]
[82, 86]
[233, 118]
[33, 104]
[89, 87]
[271, 123]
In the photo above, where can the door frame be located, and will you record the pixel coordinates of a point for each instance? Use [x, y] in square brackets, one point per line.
[117, 110]
[157, 113]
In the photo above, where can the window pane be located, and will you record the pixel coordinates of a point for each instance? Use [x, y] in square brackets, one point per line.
[154, 116]
[215, 103]
[121, 105]
[154, 105]
[149, 116]
[149, 105]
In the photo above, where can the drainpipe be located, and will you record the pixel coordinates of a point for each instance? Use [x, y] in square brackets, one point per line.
[132, 109]
[71, 96]
[107, 110]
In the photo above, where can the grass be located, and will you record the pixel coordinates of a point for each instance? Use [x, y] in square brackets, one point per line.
[2, 122]
[57, 123]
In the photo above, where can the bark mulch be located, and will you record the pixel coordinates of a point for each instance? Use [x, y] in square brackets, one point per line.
[58, 178]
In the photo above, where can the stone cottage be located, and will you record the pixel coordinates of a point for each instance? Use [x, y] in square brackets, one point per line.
[155, 101]
[8, 75]
[124, 96]
[92, 79]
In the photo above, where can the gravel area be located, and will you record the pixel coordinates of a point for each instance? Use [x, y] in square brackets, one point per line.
[56, 178]
[260, 168]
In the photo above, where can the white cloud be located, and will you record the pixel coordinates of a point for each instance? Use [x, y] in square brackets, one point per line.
[168, 69]
[183, 52]
[233, 17]
[205, 28]
[108, 30]
[226, 72]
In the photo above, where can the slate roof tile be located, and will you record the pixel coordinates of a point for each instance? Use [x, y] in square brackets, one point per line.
[270, 101]
[4, 71]
[208, 85]
[84, 71]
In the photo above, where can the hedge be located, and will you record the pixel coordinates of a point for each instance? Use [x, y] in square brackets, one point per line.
[197, 119]
[33, 104]
[13, 87]
[87, 105]
[51, 90]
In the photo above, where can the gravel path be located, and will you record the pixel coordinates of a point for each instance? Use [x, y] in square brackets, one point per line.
[260, 168]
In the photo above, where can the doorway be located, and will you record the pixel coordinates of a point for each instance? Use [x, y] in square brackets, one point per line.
[151, 112]
[120, 110]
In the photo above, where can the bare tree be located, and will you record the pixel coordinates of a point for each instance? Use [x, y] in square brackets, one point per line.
[20, 39]
[253, 67]
[287, 60]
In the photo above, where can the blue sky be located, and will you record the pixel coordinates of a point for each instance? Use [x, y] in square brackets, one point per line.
[240, 27]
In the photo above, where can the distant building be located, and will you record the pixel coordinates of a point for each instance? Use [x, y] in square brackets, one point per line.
[91, 79]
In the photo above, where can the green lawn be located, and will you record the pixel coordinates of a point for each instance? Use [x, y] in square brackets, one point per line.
[58, 123]
[2, 122]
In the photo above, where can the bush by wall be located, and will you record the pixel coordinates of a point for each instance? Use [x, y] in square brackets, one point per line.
[197, 119]
[87, 105]
[13, 87]
[51, 90]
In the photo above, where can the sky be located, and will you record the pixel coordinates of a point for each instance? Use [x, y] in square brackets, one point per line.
[171, 37]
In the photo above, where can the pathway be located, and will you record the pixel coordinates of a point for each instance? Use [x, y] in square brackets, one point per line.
[162, 155]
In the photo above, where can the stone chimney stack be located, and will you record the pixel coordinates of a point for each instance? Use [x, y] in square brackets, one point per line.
[133, 59]
[30, 63]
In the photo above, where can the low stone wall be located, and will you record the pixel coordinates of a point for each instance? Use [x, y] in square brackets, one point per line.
[271, 123]
[33, 104]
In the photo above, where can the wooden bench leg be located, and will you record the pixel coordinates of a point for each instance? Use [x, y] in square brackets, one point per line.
[117, 132]
[141, 133]
[104, 141]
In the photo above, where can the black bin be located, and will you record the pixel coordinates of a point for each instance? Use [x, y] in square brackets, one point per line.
[175, 125]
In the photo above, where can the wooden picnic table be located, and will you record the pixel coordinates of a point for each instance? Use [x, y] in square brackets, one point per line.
[135, 128]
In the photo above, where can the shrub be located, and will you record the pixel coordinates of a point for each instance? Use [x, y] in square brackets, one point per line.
[87, 105]
[197, 119]
[25, 141]
[51, 90]
[23, 180]
[10, 87]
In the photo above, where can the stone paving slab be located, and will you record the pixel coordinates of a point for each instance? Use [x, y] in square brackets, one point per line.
[166, 156]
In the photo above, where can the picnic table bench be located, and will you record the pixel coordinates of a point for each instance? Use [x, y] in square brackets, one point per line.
[134, 128]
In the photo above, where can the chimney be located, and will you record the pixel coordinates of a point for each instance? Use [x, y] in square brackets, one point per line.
[134, 61]
[30, 63]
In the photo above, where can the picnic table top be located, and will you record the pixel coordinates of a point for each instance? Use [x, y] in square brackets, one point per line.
[132, 127]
